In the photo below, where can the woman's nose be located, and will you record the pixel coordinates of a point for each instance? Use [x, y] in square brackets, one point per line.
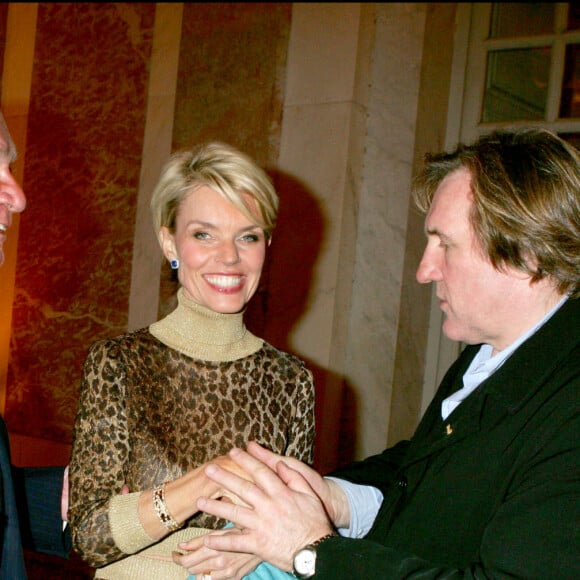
[228, 253]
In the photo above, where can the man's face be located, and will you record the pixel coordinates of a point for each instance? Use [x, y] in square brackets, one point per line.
[12, 199]
[481, 304]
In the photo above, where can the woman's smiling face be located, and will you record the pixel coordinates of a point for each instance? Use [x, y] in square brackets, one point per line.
[220, 251]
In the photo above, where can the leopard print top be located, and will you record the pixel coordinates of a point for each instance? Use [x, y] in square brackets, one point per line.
[149, 413]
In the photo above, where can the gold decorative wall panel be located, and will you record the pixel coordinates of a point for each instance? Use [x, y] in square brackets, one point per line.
[85, 131]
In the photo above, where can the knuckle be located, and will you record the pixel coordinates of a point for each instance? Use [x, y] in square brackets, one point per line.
[220, 562]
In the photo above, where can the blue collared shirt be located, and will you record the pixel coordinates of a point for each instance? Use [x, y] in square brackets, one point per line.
[483, 365]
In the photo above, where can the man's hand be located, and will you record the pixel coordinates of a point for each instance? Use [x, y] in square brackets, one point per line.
[331, 494]
[284, 512]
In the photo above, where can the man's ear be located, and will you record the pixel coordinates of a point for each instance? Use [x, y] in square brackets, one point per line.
[167, 243]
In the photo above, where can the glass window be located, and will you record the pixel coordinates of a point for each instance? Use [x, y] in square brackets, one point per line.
[572, 138]
[521, 19]
[573, 15]
[570, 103]
[516, 86]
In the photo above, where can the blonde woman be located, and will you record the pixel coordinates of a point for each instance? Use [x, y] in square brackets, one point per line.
[159, 403]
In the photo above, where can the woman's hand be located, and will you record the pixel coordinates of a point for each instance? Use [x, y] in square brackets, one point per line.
[181, 495]
[226, 462]
[196, 558]
[64, 496]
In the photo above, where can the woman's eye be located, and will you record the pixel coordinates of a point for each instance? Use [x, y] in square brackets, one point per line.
[201, 235]
[251, 238]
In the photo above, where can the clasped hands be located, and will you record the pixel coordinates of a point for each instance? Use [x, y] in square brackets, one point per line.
[287, 506]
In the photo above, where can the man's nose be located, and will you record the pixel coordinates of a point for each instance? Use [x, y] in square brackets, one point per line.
[12, 195]
[426, 271]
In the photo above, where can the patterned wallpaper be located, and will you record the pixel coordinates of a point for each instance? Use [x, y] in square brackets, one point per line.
[84, 141]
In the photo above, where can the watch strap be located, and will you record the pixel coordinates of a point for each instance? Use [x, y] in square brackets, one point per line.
[320, 540]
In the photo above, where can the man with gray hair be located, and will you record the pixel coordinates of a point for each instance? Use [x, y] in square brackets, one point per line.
[30, 498]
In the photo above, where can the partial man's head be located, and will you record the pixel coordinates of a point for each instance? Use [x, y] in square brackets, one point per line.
[503, 227]
[12, 198]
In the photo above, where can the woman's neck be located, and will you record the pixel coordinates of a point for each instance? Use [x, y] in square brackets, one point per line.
[201, 333]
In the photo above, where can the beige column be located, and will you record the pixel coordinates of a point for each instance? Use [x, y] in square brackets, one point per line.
[316, 150]
[348, 133]
[156, 148]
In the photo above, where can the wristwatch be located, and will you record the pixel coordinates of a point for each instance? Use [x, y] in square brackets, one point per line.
[305, 559]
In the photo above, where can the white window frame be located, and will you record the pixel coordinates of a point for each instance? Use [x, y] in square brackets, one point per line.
[478, 47]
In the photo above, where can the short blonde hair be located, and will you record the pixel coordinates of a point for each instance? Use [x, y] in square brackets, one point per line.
[224, 169]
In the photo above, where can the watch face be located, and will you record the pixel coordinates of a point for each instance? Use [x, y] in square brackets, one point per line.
[304, 562]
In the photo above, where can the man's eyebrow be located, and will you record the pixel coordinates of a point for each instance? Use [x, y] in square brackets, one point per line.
[435, 232]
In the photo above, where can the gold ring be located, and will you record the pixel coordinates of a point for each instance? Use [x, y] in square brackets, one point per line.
[206, 575]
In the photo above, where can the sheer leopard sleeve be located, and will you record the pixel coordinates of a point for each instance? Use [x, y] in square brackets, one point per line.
[302, 429]
[100, 450]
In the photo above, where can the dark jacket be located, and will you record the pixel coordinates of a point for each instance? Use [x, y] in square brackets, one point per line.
[493, 491]
[29, 512]
[11, 558]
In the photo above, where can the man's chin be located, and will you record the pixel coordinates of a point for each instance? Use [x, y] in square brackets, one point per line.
[451, 331]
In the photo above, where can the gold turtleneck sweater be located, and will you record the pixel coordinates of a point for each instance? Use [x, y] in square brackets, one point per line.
[158, 402]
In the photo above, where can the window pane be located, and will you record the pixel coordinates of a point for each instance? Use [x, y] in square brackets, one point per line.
[521, 19]
[516, 84]
[570, 104]
[572, 138]
[573, 15]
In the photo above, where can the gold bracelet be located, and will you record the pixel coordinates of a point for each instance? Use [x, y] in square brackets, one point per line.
[161, 510]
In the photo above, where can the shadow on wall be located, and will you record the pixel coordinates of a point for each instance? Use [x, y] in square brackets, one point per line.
[283, 298]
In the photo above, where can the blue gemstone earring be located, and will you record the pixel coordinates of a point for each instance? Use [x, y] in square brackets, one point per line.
[174, 264]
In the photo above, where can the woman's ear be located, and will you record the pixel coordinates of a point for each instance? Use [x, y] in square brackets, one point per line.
[167, 243]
